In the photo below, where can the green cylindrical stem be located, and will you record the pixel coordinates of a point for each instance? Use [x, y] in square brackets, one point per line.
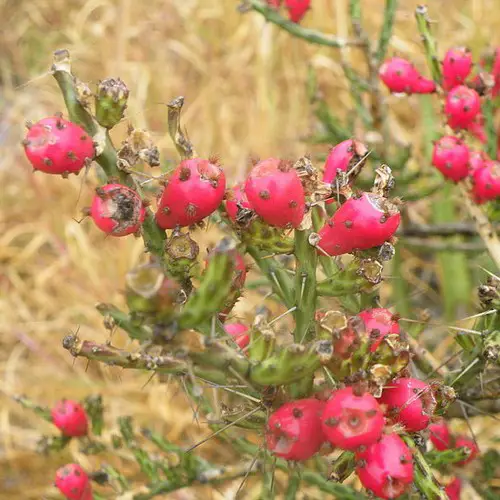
[95, 411]
[311, 36]
[290, 364]
[429, 42]
[145, 462]
[437, 459]
[386, 31]
[489, 111]
[293, 485]
[124, 321]
[280, 281]
[221, 357]
[343, 467]
[116, 478]
[424, 479]
[305, 287]
[42, 411]
[215, 285]
[261, 344]
[112, 356]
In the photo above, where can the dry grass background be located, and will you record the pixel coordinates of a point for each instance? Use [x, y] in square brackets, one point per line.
[244, 83]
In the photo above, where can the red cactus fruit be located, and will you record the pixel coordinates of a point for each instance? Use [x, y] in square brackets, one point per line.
[294, 430]
[351, 420]
[386, 467]
[469, 444]
[453, 489]
[440, 436]
[117, 210]
[379, 323]
[462, 106]
[362, 222]
[73, 482]
[70, 418]
[56, 146]
[275, 192]
[409, 402]
[235, 199]
[239, 333]
[486, 182]
[423, 86]
[297, 9]
[457, 65]
[451, 157]
[343, 157]
[195, 189]
[399, 75]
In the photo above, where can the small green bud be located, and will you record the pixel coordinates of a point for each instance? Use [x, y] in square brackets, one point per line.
[110, 101]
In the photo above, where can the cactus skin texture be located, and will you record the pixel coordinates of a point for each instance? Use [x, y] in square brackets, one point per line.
[110, 102]
[399, 75]
[275, 192]
[362, 222]
[462, 106]
[73, 482]
[56, 146]
[486, 182]
[194, 190]
[410, 402]
[70, 418]
[386, 467]
[352, 419]
[451, 157]
[294, 432]
[457, 65]
[343, 157]
[215, 285]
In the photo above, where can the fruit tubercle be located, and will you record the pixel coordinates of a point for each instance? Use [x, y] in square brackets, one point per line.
[110, 102]
[361, 275]
[291, 363]
[267, 238]
[181, 253]
[262, 344]
[209, 297]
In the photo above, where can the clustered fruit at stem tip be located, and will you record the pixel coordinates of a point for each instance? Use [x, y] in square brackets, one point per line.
[466, 90]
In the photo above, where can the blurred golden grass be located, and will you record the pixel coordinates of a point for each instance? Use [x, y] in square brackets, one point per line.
[244, 83]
